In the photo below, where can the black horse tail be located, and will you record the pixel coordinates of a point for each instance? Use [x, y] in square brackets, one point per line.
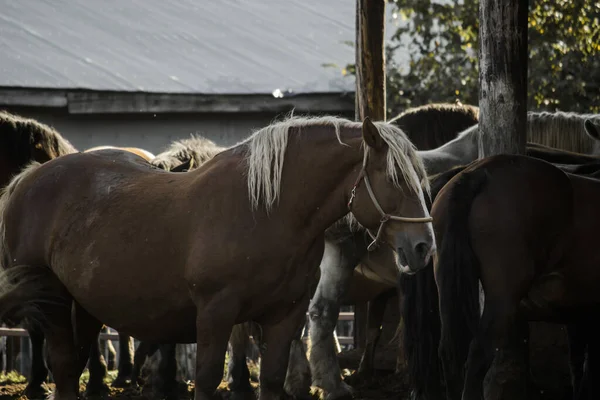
[25, 290]
[421, 316]
[458, 273]
[421, 333]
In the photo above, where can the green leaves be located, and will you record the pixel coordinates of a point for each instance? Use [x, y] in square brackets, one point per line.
[441, 42]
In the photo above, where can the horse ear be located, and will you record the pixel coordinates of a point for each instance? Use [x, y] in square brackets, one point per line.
[184, 167]
[371, 134]
[592, 129]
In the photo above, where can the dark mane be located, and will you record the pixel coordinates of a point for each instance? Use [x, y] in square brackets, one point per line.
[24, 140]
[198, 149]
[433, 125]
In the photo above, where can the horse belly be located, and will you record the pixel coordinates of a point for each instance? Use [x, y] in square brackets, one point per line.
[154, 306]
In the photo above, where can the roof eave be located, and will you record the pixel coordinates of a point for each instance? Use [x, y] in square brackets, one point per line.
[81, 101]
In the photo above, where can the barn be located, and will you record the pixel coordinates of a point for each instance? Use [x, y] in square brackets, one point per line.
[143, 73]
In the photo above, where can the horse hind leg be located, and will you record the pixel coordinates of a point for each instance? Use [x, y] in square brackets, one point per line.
[39, 371]
[69, 345]
[578, 341]
[589, 366]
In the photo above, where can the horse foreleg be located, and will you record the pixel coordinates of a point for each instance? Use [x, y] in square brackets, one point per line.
[125, 361]
[275, 356]
[213, 328]
[39, 372]
[298, 377]
[336, 275]
[375, 310]
[98, 371]
[143, 351]
[238, 374]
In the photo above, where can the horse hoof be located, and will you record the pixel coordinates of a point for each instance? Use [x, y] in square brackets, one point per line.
[344, 392]
[243, 395]
[35, 392]
[96, 389]
[121, 382]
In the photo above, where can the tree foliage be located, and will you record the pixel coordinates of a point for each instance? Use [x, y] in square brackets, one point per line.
[440, 39]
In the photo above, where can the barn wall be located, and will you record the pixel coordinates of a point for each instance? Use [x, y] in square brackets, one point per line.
[151, 132]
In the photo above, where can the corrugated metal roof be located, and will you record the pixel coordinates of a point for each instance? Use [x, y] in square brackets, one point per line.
[177, 46]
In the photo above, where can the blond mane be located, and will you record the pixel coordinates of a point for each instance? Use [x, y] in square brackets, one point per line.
[196, 148]
[561, 130]
[265, 156]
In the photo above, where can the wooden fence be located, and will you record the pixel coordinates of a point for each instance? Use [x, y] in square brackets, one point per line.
[345, 324]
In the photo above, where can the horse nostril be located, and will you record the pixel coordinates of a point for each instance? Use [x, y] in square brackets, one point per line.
[422, 249]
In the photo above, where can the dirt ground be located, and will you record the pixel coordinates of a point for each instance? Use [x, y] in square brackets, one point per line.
[380, 388]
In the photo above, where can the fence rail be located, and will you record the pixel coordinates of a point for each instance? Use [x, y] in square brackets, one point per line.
[20, 332]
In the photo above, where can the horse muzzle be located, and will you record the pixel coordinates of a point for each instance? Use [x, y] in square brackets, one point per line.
[411, 260]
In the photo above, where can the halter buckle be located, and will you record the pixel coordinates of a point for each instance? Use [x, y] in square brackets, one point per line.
[352, 196]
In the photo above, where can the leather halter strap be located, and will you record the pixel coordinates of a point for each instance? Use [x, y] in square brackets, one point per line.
[385, 217]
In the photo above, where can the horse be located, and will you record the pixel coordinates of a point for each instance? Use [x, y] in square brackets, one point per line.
[181, 156]
[345, 255]
[23, 140]
[544, 222]
[420, 306]
[246, 252]
[432, 125]
[421, 124]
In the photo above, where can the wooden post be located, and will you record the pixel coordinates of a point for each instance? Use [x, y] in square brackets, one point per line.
[370, 59]
[502, 76]
[370, 94]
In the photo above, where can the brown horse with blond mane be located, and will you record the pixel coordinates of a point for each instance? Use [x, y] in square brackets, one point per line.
[247, 252]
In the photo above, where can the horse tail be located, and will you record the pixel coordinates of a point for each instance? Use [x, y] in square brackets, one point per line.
[420, 314]
[421, 333]
[458, 272]
[23, 288]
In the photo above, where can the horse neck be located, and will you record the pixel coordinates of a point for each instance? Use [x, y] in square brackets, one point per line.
[318, 176]
[460, 151]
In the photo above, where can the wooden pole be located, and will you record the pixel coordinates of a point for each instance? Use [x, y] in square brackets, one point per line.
[370, 95]
[502, 76]
[370, 60]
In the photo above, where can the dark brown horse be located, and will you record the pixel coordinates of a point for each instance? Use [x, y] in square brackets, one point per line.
[534, 256]
[433, 125]
[420, 308]
[23, 140]
[246, 252]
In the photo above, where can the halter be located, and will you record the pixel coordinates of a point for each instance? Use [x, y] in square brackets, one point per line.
[385, 217]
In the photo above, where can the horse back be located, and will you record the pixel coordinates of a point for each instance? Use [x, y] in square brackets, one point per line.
[59, 196]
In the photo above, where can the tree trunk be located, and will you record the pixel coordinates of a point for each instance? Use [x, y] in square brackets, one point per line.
[370, 60]
[502, 76]
[370, 94]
